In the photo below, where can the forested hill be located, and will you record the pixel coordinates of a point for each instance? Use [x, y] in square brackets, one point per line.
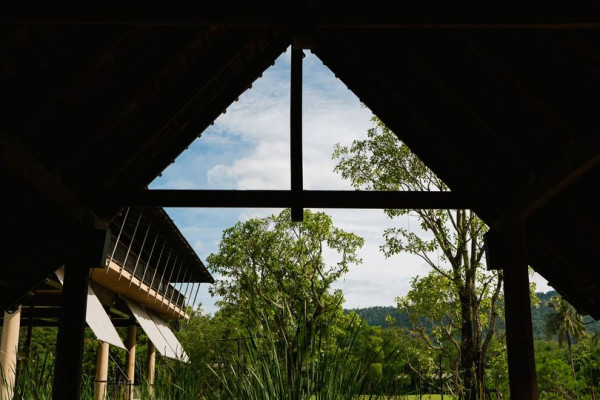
[376, 316]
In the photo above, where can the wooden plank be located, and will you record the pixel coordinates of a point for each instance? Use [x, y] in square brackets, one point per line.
[307, 198]
[128, 285]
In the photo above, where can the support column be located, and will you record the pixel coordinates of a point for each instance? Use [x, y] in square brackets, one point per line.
[88, 251]
[101, 378]
[151, 362]
[130, 362]
[297, 211]
[8, 353]
[69, 341]
[507, 250]
[150, 367]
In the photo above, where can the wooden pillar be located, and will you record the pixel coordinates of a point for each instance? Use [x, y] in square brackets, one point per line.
[130, 362]
[507, 250]
[296, 133]
[101, 378]
[151, 362]
[89, 250]
[150, 368]
[9, 348]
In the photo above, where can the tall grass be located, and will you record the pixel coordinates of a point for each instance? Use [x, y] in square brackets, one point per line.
[271, 371]
[34, 379]
[266, 368]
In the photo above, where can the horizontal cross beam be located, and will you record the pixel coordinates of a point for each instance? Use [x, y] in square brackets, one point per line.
[428, 14]
[305, 198]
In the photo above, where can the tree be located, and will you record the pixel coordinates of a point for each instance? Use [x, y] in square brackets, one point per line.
[382, 162]
[566, 324]
[434, 315]
[273, 274]
[555, 380]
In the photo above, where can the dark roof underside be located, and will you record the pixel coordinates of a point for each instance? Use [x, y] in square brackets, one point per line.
[96, 110]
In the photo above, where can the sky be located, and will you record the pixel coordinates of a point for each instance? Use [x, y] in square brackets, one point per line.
[248, 148]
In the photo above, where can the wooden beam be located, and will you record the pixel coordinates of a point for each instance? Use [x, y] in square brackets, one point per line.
[42, 313]
[296, 133]
[527, 107]
[69, 342]
[307, 198]
[115, 90]
[551, 184]
[196, 99]
[16, 157]
[89, 252]
[507, 250]
[349, 14]
[44, 298]
[367, 80]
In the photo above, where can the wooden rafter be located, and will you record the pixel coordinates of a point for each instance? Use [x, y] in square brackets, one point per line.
[306, 198]
[16, 157]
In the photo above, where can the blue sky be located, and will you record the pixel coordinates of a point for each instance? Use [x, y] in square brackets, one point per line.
[248, 148]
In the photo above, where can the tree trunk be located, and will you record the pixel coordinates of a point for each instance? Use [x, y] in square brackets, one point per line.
[571, 356]
[479, 355]
[467, 350]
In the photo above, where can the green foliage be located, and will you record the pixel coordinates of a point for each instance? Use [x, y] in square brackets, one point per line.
[342, 372]
[555, 380]
[586, 355]
[564, 322]
[460, 300]
[391, 316]
[273, 269]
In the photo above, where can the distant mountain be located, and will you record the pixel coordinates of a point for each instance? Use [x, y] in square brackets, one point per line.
[375, 316]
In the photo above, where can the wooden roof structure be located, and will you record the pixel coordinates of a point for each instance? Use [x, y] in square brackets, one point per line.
[501, 103]
[147, 255]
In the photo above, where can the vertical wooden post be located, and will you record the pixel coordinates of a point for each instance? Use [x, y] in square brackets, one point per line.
[8, 353]
[507, 250]
[150, 368]
[89, 250]
[101, 378]
[131, 343]
[69, 342]
[296, 133]
[151, 362]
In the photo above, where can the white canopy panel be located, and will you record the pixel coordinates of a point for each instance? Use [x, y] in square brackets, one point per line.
[96, 318]
[170, 338]
[158, 332]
